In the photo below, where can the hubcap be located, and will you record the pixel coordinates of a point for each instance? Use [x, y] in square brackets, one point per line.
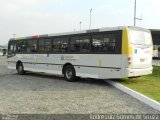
[20, 68]
[69, 73]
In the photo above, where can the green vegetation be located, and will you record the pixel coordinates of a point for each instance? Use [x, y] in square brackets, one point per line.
[148, 85]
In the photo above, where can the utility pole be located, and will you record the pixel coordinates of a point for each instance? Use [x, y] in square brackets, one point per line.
[135, 12]
[14, 35]
[80, 23]
[90, 18]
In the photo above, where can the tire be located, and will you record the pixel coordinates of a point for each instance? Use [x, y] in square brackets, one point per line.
[134, 77]
[20, 69]
[69, 73]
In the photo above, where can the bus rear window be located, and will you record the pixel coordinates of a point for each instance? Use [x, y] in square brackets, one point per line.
[140, 37]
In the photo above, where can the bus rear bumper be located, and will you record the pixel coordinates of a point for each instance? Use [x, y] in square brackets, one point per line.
[139, 72]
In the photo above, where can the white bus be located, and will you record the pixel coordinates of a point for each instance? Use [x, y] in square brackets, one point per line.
[104, 53]
[3, 51]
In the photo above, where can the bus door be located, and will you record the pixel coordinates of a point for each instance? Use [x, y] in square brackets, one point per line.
[43, 58]
[28, 58]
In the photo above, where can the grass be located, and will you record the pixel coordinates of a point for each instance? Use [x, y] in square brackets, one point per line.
[148, 85]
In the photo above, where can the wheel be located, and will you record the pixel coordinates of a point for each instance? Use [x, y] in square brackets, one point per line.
[134, 77]
[69, 73]
[20, 69]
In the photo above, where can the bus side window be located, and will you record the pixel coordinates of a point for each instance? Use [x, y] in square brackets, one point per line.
[56, 45]
[97, 43]
[85, 44]
[60, 45]
[64, 45]
[41, 46]
[75, 44]
[34, 46]
[21, 46]
[48, 45]
[31, 46]
[109, 42]
[12, 47]
[104, 43]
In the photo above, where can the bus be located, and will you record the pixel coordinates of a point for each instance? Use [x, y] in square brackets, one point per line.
[156, 43]
[105, 53]
[3, 51]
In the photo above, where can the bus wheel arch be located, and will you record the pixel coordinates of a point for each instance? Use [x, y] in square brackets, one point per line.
[66, 64]
[69, 72]
[20, 68]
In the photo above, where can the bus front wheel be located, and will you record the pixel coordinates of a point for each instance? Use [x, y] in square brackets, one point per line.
[20, 69]
[69, 73]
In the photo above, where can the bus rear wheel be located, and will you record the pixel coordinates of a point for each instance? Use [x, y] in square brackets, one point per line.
[20, 69]
[69, 73]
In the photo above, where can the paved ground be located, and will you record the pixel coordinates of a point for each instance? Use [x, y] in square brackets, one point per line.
[156, 62]
[39, 93]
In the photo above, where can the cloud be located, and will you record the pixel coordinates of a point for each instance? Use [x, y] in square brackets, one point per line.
[29, 17]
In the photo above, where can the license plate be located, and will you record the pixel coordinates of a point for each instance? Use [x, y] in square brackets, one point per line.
[142, 60]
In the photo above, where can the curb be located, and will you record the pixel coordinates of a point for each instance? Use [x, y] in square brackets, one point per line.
[154, 104]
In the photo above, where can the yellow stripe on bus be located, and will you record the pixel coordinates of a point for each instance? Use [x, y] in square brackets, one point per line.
[20, 38]
[100, 62]
[126, 47]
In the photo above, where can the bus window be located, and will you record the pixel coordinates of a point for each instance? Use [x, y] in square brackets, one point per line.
[75, 44]
[81, 44]
[104, 43]
[109, 43]
[64, 45]
[12, 47]
[60, 45]
[85, 44]
[140, 37]
[34, 46]
[41, 48]
[48, 45]
[97, 42]
[31, 46]
[21, 46]
[56, 45]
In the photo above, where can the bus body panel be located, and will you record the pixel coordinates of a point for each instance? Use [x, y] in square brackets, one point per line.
[141, 57]
[98, 66]
[138, 72]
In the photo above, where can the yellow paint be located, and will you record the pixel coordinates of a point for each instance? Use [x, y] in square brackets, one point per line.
[100, 62]
[126, 47]
[20, 38]
[152, 51]
[36, 60]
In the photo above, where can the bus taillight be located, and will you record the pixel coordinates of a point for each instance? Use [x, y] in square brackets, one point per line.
[129, 60]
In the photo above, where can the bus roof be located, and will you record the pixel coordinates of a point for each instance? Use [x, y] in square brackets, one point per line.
[77, 32]
[88, 31]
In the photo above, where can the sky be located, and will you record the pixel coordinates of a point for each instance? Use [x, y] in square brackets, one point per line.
[35, 17]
